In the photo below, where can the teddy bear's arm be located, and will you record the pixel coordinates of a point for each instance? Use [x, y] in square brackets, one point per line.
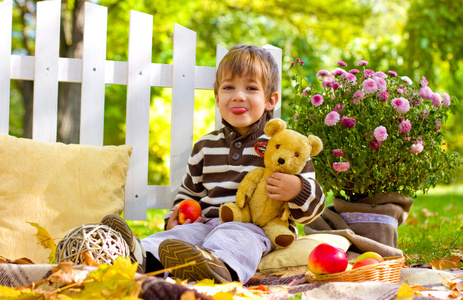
[286, 213]
[248, 185]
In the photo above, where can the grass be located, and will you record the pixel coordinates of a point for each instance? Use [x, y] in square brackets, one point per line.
[432, 230]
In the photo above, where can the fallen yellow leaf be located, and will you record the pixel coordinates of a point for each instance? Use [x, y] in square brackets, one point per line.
[405, 292]
[45, 241]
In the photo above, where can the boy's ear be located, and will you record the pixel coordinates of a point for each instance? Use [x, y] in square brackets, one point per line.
[272, 101]
[216, 100]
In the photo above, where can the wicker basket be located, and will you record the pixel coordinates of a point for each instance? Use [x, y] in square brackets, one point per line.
[387, 271]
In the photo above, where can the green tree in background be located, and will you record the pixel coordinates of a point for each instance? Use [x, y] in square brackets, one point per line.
[416, 38]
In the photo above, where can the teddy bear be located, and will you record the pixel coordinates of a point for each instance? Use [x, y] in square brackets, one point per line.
[287, 152]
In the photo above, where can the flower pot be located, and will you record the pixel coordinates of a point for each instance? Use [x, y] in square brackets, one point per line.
[370, 223]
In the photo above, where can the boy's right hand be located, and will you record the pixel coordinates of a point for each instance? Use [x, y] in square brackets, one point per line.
[173, 220]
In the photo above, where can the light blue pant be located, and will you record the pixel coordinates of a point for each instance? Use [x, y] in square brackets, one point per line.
[240, 245]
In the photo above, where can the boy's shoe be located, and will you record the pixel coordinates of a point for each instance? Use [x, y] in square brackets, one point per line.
[208, 266]
[137, 251]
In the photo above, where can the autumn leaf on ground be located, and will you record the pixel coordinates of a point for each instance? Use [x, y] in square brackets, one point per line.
[405, 292]
[446, 263]
[45, 241]
[89, 261]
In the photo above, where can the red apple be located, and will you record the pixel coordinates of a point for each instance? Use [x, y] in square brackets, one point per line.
[327, 259]
[188, 209]
[365, 262]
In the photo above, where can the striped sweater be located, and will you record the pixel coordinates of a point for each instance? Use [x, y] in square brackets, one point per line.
[221, 159]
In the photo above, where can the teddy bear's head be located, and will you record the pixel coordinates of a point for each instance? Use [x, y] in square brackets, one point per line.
[287, 150]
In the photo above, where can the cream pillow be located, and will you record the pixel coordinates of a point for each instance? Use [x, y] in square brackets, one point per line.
[297, 254]
[57, 186]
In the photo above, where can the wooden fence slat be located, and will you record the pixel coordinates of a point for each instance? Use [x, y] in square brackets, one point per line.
[278, 56]
[221, 51]
[93, 75]
[45, 111]
[183, 94]
[6, 15]
[138, 106]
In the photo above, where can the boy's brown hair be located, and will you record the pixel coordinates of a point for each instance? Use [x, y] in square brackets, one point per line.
[250, 60]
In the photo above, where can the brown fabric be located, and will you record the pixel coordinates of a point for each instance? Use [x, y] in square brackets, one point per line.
[365, 236]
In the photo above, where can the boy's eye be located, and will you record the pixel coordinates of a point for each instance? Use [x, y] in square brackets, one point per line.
[252, 88]
[228, 87]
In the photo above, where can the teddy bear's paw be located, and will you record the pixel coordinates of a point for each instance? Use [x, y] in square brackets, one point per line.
[284, 240]
[226, 214]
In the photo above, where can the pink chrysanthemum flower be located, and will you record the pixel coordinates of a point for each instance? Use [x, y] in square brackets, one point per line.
[445, 99]
[357, 96]
[380, 133]
[405, 126]
[407, 79]
[424, 82]
[338, 152]
[425, 113]
[392, 73]
[436, 100]
[338, 71]
[370, 86]
[351, 78]
[400, 91]
[295, 116]
[381, 83]
[375, 144]
[401, 105]
[338, 107]
[317, 100]
[369, 72]
[341, 63]
[380, 74]
[304, 92]
[348, 122]
[426, 92]
[335, 85]
[417, 147]
[362, 63]
[327, 81]
[332, 118]
[438, 123]
[383, 96]
[341, 166]
[354, 71]
[322, 73]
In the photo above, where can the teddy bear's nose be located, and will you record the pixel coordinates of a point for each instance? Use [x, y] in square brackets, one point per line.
[281, 161]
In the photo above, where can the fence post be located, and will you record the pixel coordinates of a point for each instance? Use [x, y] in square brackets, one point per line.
[138, 107]
[6, 15]
[45, 111]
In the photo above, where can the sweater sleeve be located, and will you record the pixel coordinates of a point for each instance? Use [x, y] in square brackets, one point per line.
[309, 204]
[192, 186]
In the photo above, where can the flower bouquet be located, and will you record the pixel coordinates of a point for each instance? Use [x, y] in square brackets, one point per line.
[381, 133]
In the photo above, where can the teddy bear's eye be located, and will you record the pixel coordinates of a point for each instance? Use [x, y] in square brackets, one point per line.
[296, 154]
[277, 146]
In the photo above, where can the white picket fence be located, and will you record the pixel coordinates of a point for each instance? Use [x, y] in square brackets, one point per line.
[93, 71]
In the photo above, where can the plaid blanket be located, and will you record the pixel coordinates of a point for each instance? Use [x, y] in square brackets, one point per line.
[155, 288]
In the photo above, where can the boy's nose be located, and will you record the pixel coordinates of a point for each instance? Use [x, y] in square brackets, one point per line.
[239, 96]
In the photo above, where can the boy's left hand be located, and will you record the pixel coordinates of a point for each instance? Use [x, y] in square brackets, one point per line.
[283, 187]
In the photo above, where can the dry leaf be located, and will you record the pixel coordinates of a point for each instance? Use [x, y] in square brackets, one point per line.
[188, 295]
[446, 263]
[45, 241]
[454, 294]
[89, 261]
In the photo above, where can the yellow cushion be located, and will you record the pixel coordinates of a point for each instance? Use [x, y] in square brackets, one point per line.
[297, 254]
[57, 186]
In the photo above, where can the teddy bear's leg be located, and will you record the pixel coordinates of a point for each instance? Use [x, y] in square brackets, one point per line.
[278, 232]
[231, 212]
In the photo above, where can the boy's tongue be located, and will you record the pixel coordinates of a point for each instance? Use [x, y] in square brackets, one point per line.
[238, 110]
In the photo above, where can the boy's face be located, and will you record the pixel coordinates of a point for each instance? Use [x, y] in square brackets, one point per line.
[241, 101]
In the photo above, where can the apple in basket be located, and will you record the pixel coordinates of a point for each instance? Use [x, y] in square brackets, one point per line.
[188, 209]
[327, 259]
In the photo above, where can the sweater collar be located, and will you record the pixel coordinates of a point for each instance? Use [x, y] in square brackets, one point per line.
[256, 130]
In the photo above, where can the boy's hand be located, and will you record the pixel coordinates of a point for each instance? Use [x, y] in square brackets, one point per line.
[283, 187]
[173, 220]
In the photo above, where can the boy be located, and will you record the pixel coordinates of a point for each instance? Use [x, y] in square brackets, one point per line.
[246, 93]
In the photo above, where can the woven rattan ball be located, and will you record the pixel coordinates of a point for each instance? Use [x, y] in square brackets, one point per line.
[102, 242]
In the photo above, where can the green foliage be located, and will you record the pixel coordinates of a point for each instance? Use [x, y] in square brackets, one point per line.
[357, 160]
[433, 228]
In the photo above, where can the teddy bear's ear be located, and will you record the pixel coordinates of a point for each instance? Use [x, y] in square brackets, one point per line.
[273, 126]
[316, 143]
